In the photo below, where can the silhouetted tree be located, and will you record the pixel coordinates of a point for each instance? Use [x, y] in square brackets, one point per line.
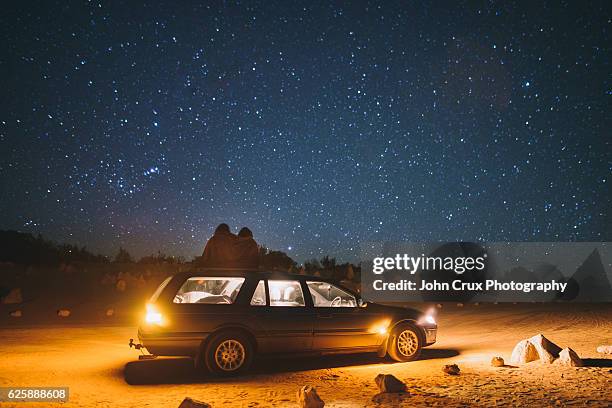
[312, 266]
[24, 248]
[275, 260]
[328, 263]
[161, 258]
[123, 256]
[350, 273]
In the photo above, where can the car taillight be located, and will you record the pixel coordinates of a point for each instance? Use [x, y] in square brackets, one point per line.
[153, 315]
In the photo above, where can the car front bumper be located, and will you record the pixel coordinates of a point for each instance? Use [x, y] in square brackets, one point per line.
[430, 335]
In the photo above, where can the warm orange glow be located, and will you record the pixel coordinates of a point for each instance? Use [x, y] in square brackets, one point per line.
[429, 318]
[153, 315]
[381, 327]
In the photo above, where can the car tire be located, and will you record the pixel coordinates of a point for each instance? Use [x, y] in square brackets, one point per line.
[228, 353]
[405, 342]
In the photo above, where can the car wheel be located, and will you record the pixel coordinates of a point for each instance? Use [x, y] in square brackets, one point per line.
[405, 342]
[228, 353]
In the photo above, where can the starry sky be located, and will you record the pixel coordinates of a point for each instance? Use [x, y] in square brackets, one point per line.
[320, 125]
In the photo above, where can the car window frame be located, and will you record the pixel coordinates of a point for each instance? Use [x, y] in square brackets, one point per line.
[305, 294]
[339, 288]
[250, 299]
[235, 302]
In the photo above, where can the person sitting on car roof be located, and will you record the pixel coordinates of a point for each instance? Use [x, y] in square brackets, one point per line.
[246, 250]
[219, 251]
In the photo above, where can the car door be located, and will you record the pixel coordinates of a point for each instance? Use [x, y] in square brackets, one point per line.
[286, 319]
[339, 322]
[201, 305]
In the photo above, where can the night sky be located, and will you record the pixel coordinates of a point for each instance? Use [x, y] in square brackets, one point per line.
[319, 126]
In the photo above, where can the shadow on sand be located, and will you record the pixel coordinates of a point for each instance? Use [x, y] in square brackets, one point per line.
[181, 370]
[597, 362]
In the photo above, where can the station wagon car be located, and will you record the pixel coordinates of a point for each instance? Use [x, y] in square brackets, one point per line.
[222, 318]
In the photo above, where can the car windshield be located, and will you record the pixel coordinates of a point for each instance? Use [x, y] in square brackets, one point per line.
[327, 295]
[209, 290]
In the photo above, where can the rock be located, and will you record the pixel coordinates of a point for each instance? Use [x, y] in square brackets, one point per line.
[439, 305]
[308, 398]
[14, 296]
[497, 362]
[389, 383]
[547, 350]
[568, 357]
[121, 285]
[110, 312]
[604, 349]
[63, 313]
[191, 403]
[459, 304]
[15, 313]
[523, 353]
[451, 369]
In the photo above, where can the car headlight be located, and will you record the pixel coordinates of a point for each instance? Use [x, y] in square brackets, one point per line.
[428, 318]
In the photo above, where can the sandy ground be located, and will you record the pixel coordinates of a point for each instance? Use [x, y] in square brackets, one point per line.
[92, 362]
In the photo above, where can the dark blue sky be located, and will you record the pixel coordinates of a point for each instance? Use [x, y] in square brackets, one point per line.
[318, 125]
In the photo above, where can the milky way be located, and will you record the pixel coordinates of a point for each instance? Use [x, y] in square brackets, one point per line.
[318, 126]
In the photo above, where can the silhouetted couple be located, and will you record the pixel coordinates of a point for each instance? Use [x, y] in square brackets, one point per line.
[227, 250]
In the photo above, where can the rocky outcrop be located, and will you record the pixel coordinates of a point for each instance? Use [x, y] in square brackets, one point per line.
[307, 397]
[191, 403]
[540, 348]
[568, 357]
[523, 353]
[497, 362]
[451, 369]
[389, 383]
[604, 349]
[547, 350]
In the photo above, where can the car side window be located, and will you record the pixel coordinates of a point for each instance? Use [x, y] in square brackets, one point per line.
[208, 290]
[286, 293]
[327, 295]
[259, 296]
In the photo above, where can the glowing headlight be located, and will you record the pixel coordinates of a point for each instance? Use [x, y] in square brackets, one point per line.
[153, 315]
[428, 318]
